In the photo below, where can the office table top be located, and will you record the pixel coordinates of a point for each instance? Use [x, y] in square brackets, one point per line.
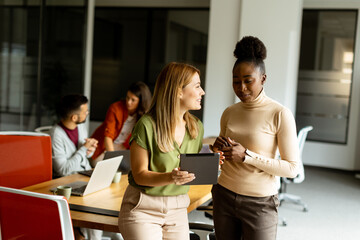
[109, 199]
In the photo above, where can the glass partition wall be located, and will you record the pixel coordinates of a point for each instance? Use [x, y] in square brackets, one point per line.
[325, 73]
[43, 54]
[41, 59]
[134, 44]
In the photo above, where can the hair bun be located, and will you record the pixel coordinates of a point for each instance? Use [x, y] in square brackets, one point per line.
[250, 48]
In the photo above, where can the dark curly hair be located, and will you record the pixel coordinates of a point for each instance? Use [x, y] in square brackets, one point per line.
[250, 49]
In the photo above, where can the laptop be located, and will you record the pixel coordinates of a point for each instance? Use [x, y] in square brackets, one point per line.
[101, 178]
[205, 166]
[124, 165]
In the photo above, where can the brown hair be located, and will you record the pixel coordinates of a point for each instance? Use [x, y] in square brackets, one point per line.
[165, 105]
[141, 90]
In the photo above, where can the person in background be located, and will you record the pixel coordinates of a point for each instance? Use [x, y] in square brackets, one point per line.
[71, 147]
[245, 198]
[155, 202]
[114, 133]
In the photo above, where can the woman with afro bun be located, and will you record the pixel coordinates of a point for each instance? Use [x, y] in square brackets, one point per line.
[245, 198]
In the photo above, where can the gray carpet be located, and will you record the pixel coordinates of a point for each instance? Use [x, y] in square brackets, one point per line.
[333, 199]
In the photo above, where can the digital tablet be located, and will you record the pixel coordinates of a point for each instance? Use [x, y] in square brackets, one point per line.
[205, 166]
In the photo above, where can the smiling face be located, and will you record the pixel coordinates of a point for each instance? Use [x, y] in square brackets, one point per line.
[248, 81]
[132, 102]
[191, 94]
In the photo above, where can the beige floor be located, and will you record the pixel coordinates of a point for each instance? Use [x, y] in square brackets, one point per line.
[333, 199]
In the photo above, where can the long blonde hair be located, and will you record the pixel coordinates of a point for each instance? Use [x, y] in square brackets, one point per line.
[165, 105]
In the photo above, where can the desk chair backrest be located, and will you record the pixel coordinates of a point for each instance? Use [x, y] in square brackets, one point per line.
[43, 129]
[302, 135]
[25, 159]
[29, 215]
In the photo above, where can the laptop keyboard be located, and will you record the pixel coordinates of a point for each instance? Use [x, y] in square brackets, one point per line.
[86, 172]
[79, 189]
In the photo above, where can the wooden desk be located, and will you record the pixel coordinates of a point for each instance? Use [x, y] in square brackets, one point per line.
[109, 198]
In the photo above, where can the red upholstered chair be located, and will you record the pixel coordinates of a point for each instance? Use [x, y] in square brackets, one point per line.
[29, 215]
[25, 159]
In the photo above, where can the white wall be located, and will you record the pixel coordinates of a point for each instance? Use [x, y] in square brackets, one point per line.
[223, 34]
[280, 32]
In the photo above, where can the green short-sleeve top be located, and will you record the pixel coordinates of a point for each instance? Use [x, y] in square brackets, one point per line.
[144, 135]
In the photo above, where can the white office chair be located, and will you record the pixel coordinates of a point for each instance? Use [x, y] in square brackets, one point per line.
[43, 129]
[283, 195]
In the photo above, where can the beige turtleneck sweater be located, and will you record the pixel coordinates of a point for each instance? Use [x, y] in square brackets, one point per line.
[261, 126]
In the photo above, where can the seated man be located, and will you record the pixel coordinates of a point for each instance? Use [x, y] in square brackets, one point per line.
[71, 146]
[72, 149]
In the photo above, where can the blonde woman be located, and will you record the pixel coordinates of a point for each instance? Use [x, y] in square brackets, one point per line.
[155, 202]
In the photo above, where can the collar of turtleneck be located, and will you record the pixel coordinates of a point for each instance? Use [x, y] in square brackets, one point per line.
[258, 101]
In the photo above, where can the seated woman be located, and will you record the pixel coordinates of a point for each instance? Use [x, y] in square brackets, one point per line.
[114, 133]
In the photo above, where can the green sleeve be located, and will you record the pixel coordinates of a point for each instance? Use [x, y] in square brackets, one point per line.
[201, 134]
[143, 132]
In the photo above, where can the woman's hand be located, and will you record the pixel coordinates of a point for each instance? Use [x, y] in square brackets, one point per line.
[219, 143]
[235, 152]
[222, 158]
[181, 177]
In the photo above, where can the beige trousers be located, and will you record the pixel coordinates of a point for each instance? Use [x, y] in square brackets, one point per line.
[146, 217]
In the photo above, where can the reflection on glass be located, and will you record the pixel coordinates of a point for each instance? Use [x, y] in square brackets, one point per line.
[132, 44]
[325, 74]
[18, 62]
[31, 84]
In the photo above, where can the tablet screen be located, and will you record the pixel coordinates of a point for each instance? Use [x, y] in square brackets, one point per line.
[205, 166]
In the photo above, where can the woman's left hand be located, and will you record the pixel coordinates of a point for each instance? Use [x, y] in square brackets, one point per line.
[181, 177]
[236, 152]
